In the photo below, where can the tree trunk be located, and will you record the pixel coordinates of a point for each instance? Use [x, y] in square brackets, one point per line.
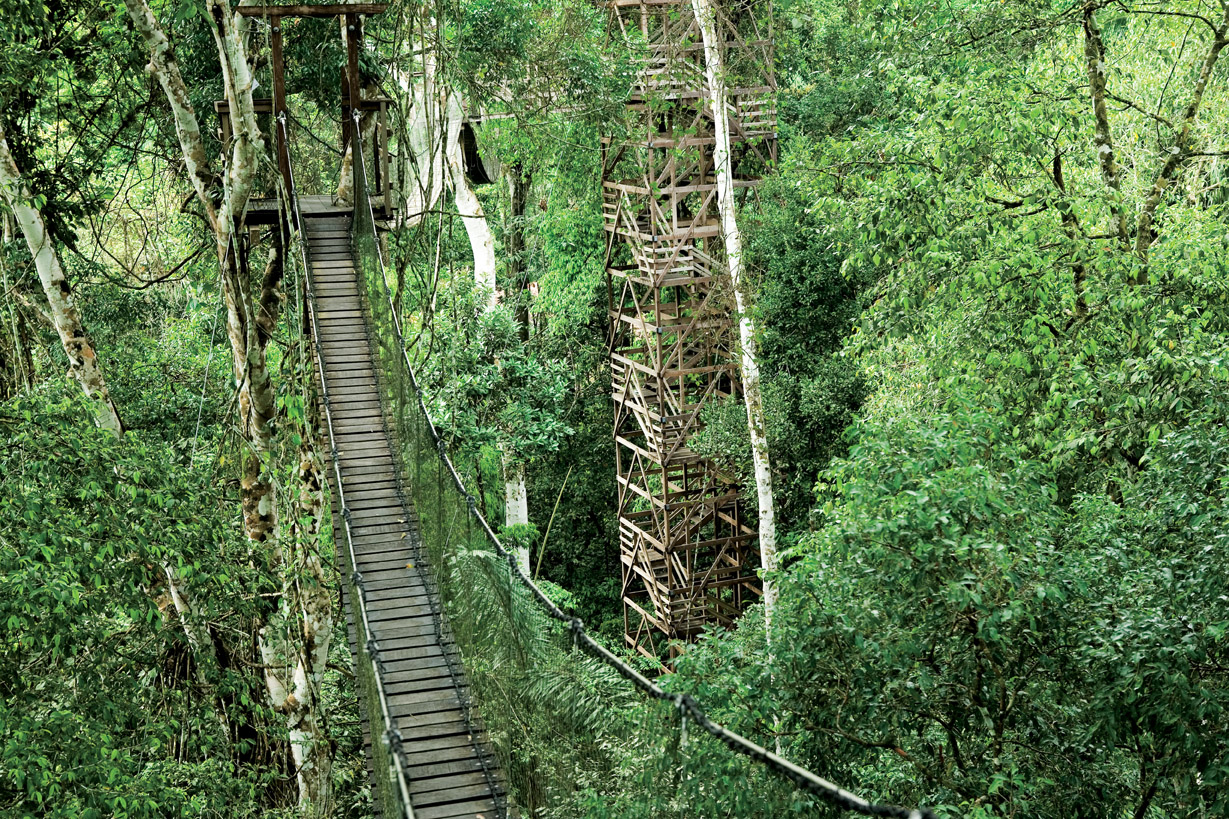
[294, 673]
[715, 74]
[367, 129]
[422, 172]
[83, 361]
[516, 504]
[1178, 151]
[1094, 58]
[295, 658]
[481, 240]
[165, 69]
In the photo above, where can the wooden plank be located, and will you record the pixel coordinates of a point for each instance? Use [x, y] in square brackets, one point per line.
[410, 681]
[396, 578]
[430, 721]
[475, 789]
[360, 483]
[371, 565]
[398, 631]
[425, 703]
[385, 498]
[439, 786]
[356, 420]
[398, 610]
[395, 547]
[447, 766]
[365, 464]
[350, 420]
[421, 668]
[370, 444]
[442, 743]
[472, 809]
[401, 596]
[392, 654]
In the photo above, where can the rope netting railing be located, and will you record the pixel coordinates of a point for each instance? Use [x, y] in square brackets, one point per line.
[391, 785]
[575, 730]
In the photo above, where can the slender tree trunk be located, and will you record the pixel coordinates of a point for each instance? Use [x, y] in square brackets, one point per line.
[165, 70]
[1178, 151]
[516, 491]
[726, 204]
[482, 244]
[295, 672]
[1094, 58]
[516, 503]
[83, 361]
[423, 174]
[367, 128]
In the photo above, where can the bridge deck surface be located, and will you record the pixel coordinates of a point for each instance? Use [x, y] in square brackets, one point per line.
[445, 758]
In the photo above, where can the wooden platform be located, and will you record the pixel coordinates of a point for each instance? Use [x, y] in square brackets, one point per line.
[266, 210]
[445, 759]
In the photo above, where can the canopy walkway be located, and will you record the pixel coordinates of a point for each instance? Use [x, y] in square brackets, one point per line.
[446, 762]
[480, 696]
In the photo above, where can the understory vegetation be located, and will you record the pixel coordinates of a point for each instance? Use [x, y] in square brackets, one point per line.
[989, 278]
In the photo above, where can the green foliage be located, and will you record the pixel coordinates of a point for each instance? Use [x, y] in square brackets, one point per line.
[493, 391]
[99, 711]
[805, 306]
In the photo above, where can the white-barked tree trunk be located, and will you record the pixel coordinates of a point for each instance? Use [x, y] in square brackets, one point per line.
[82, 359]
[714, 70]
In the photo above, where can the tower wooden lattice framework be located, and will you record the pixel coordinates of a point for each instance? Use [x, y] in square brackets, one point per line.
[687, 551]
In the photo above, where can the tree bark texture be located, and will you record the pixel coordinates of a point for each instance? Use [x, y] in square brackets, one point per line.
[1103, 141]
[82, 359]
[516, 491]
[243, 319]
[165, 69]
[422, 174]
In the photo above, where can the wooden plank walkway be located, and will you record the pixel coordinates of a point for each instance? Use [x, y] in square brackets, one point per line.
[445, 760]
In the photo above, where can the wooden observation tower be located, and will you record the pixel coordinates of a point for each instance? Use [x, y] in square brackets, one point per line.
[688, 555]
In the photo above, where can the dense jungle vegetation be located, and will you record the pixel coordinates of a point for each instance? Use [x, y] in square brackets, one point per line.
[990, 283]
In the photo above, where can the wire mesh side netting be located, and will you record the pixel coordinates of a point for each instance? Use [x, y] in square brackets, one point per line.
[575, 731]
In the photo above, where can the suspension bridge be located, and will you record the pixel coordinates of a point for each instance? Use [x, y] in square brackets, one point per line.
[480, 697]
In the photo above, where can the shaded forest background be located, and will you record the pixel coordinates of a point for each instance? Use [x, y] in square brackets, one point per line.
[990, 276]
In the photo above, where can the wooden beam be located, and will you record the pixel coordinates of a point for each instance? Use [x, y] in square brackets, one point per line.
[279, 101]
[352, 84]
[324, 10]
[260, 105]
